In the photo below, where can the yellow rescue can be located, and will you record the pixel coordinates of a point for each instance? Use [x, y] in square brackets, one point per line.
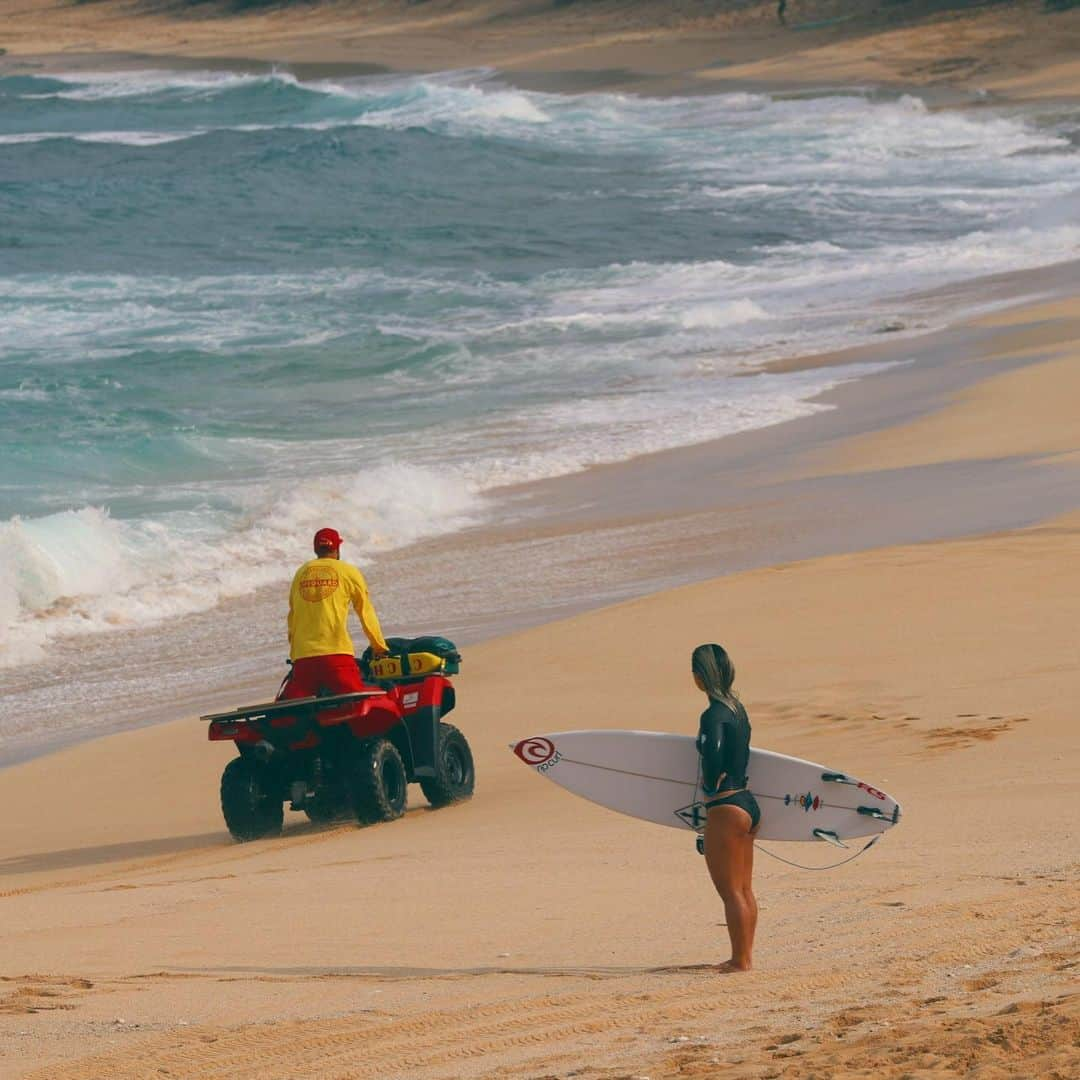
[406, 665]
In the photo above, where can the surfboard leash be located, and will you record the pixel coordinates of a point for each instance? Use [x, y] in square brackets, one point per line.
[832, 866]
[836, 778]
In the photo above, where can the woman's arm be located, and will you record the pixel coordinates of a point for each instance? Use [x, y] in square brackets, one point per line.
[711, 748]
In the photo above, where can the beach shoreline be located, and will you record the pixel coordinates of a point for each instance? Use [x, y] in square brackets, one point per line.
[608, 533]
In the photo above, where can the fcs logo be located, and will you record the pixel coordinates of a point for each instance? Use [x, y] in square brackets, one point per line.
[535, 751]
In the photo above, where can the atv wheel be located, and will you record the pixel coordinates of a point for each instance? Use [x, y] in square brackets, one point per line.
[250, 800]
[455, 776]
[379, 784]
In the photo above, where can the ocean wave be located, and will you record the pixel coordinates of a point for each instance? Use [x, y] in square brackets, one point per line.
[746, 150]
[253, 280]
[715, 316]
[90, 316]
[119, 138]
[93, 86]
[857, 129]
[24, 392]
[468, 101]
[85, 571]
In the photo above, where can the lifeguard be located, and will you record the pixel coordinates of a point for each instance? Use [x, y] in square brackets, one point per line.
[321, 650]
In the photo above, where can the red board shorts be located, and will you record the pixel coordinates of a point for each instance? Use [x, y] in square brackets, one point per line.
[321, 676]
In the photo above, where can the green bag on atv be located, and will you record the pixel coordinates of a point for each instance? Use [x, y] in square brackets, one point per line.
[412, 658]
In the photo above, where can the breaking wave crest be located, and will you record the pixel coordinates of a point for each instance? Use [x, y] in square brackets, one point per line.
[85, 571]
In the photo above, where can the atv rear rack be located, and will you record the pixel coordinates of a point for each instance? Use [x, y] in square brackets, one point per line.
[295, 705]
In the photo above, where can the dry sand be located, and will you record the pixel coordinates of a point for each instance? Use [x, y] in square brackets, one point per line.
[518, 934]
[1015, 49]
[529, 934]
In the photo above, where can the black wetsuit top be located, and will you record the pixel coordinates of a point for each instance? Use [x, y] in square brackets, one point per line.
[724, 745]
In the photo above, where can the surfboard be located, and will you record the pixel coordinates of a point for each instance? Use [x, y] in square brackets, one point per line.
[657, 777]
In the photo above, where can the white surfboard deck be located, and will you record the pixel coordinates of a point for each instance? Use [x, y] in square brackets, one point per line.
[657, 777]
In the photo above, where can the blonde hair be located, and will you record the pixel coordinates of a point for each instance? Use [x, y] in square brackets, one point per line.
[712, 665]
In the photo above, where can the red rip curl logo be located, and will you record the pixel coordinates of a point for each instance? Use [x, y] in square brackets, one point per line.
[535, 751]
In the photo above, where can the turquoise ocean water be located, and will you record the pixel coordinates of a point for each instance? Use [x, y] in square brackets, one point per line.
[236, 307]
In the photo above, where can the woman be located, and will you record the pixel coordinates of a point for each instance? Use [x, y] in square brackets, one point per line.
[732, 812]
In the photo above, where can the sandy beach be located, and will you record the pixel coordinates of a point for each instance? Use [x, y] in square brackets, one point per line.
[900, 595]
[528, 934]
[1018, 50]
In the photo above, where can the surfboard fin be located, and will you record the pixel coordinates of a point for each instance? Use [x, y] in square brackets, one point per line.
[838, 778]
[874, 812]
[700, 845]
[829, 837]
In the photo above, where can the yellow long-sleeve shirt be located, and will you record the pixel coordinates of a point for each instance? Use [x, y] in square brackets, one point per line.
[319, 600]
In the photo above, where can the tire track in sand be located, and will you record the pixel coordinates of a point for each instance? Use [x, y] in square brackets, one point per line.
[363, 1045]
[624, 1015]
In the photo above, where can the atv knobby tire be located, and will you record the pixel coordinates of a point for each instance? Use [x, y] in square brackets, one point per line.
[455, 775]
[380, 786]
[250, 800]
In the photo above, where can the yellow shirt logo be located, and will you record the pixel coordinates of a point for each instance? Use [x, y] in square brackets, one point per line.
[317, 583]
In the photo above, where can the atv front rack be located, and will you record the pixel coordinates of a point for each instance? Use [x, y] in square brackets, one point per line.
[289, 708]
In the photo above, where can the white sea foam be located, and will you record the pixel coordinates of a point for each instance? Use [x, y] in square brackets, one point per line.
[135, 138]
[25, 392]
[107, 85]
[252, 313]
[715, 316]
[474, 100]
[120, 138]
[85, 571]
[859, 137]
[744, 191]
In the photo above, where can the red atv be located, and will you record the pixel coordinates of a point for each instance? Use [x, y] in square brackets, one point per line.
[349, 754]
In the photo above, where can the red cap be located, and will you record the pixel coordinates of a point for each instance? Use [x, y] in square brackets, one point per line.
[327, 538]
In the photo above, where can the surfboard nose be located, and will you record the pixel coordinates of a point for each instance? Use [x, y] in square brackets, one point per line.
[535, 750]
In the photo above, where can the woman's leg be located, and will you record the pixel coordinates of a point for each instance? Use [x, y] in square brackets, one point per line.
[729, 855]
[748, 883]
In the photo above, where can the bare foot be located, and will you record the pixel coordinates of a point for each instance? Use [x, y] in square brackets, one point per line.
[675, 969]
[729, 967]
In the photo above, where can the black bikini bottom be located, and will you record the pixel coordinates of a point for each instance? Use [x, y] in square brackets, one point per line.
[743, 800]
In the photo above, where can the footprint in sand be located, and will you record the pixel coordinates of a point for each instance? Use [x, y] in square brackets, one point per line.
[38, 993]
[961, 736]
